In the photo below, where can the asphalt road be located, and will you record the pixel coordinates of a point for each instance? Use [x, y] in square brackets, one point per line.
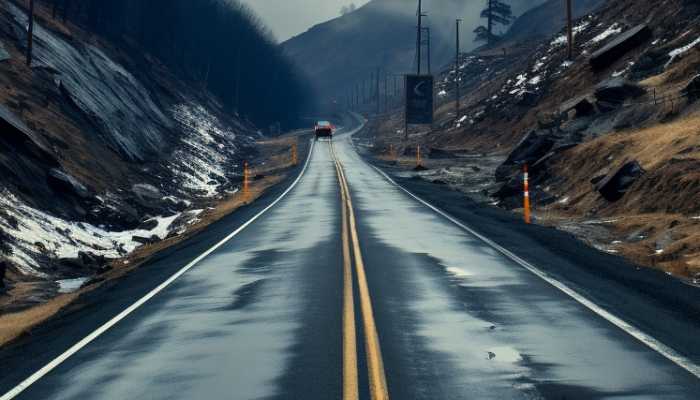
[347, 287]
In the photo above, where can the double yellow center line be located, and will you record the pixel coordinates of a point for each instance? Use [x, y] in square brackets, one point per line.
[375, 365]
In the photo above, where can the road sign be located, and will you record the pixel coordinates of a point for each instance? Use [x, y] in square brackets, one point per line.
[419, 99]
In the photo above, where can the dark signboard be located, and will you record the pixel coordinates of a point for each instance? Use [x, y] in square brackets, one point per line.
[419, 99]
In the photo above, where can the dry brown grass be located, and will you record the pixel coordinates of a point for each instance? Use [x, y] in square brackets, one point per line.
[14, 325]
[277, 154]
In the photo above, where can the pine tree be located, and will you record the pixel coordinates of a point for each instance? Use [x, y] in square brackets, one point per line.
[496, 12]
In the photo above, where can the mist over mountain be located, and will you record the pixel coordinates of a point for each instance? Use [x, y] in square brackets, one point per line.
[382, 34]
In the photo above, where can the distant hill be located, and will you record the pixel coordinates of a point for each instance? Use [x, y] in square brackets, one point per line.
[546, 19]
[339, 53]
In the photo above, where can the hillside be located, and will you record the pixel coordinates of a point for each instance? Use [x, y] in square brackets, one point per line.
[108, 150]
[382, 33]
[611, 137]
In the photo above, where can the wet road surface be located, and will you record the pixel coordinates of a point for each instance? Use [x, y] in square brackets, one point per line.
[265, 316]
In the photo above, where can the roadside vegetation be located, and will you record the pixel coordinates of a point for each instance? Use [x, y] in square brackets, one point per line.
[611, 136]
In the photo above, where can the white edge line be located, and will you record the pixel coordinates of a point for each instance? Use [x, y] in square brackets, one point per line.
[109, 324]
[649, 341]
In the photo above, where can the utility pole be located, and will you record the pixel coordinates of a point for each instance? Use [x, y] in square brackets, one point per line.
[369, 89]
[364, 91]
[386, 92]
[427, 43]
[457, 72]
[419, 41]
[570, 30]
[30, 33]
[379, 110]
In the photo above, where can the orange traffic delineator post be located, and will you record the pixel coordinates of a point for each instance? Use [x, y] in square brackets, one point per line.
[295, 156]
[526, 191]
[245, 179]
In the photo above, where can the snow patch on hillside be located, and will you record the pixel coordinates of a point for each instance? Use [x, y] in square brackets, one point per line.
[204, 162]
[38, 234]
[680, 51]
[614, 29]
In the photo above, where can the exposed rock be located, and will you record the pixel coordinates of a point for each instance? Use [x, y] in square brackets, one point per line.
[558, 148]
[583, 105]
[620, 46]
[597, 179]
[146, 192]
[527, 98]
[66, 184]
[4, 243]
[148, 225]
[4, 55]
[650, 63]
[91, 261]
[615, 91]
[634, 116]
[144, 240]
[10, 219]
[615, 185]
[692, 89]
[530, 149]
[3, 268]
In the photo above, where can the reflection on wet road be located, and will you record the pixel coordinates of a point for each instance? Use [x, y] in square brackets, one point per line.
[262, 316]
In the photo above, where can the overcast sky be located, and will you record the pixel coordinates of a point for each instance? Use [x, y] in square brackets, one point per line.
[287, 18]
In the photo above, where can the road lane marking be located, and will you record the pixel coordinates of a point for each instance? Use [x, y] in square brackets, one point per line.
[109, 324]
[350, 370]
[630, 329]
[375, 365]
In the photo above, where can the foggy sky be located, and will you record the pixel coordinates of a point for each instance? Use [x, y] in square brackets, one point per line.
[287, 18]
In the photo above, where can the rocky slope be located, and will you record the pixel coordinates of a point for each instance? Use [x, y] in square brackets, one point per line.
[381, 34]
[610, 137]
[102, 150]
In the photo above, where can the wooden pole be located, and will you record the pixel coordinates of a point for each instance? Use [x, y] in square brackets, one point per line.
[457, 72]
[378, 99]
[386, 92]
[419, 43]
[570, 30]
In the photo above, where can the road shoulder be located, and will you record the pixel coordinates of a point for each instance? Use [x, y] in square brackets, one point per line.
[659, 305]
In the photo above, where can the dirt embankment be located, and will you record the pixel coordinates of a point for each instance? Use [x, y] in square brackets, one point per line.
[611, 138]
[272, 166]
[106, 158]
